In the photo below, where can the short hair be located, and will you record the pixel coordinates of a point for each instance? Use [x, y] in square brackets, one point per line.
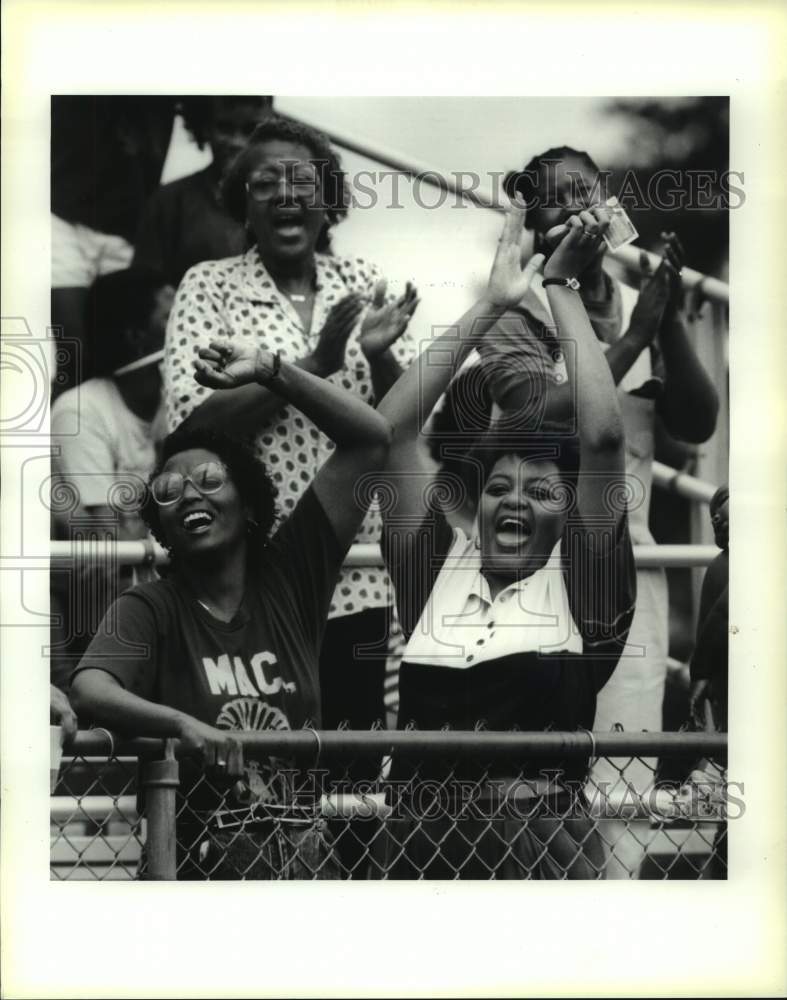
[335, 189]
[248, 473]
[553, 442]
[116, 303]
[526, 182]
[198, 112]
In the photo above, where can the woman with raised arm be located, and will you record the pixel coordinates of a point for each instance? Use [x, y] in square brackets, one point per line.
[230, 640]
[290, 292]
[519, 624]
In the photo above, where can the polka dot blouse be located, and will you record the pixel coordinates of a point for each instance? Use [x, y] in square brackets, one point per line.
[236, 297]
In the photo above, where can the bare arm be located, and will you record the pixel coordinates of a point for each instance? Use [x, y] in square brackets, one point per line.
[99, 696]
[360, 433]
[249, 407]
[620, 356]
[689, 404]
[602, 455]
[412, 399]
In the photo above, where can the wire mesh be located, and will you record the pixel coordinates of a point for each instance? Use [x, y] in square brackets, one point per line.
[443, 810]
[95, 827]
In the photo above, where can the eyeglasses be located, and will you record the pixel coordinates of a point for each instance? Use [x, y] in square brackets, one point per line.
[168, 487]
[302, 180]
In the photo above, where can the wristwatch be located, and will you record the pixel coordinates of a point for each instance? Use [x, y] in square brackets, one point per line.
[571, 283]
[271, 375]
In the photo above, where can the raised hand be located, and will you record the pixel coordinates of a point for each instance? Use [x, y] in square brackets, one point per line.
[329, 352]
[508, 280]
[661, 294]
[228, 364]
[673, 258]
[649, 309]
[579, 242]
[385, 323]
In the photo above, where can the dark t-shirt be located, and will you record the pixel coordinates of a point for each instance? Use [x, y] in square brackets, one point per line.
[183, 224]
[259, 671]
[528, 691]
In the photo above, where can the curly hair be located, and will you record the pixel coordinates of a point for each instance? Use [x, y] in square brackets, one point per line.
[554, 441]
[333, 180]
[528, 180]
[248, 473]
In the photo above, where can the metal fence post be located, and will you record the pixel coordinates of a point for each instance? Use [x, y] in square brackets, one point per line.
[160, 779]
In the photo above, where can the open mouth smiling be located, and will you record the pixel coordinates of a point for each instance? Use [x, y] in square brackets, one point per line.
[196, 522]
[512, 532]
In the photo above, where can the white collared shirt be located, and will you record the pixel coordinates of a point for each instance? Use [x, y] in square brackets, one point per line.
[462, 626]
[236, 297]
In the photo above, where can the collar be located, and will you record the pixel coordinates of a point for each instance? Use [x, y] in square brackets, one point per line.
[259, 286]
[480, 589]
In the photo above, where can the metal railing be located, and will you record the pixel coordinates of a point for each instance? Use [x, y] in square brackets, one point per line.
[392, 805]
[681, 483]
[138, 553]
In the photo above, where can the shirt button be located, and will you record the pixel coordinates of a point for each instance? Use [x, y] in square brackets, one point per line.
[490, 625]
[480, 642]
[469, 659]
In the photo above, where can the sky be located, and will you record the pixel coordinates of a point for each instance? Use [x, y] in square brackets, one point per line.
[458, 133]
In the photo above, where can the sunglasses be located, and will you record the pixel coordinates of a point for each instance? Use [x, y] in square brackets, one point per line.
[168, 487]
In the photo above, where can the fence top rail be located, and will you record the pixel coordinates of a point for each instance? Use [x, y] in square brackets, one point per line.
[140, 553]
[711, 288]
[313, 744]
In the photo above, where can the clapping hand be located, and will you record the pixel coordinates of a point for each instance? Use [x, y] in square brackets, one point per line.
[508, 280]
[672, 261]
[333, 337]
[385, 322]
[661, 295]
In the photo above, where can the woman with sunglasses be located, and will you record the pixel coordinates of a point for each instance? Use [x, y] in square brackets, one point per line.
[290, 292]
[230, 639]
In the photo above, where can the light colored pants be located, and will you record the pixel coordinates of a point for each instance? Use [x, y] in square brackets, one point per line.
[634, 695]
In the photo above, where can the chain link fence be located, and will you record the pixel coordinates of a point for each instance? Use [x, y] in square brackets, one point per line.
[406, 805]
